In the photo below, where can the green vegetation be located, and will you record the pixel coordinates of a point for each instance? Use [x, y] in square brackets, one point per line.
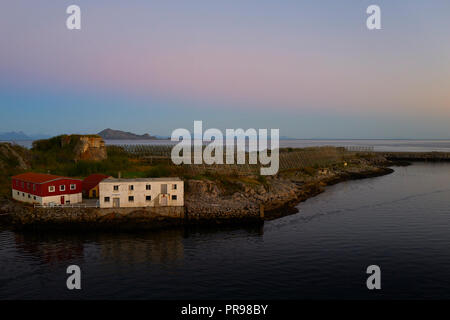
[57, 156]
[14, 159]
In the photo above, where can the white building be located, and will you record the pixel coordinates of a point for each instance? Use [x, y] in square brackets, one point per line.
[46, 189]
[142, 192]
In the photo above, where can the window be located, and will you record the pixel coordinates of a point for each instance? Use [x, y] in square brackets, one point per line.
[148, 187]
[18, 192]
[51, 189]
[131, 187]
[29, 196]
[174, 197]
[62, 188]
[73, 186]
[116, 188]
[23, 194]
[130, 198]
[106, 199]
[174, 187]
[34, 197]
[148, 198]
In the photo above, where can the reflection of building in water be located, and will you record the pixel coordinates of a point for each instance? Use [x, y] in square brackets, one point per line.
[50, 249]
[164, 247]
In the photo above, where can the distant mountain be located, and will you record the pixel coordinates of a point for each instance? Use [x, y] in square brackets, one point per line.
[110, 134]
[14, 136]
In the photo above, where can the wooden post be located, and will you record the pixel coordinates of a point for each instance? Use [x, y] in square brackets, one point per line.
[261, 211]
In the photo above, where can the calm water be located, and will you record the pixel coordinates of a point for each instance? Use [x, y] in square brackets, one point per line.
[400, 222]
[378, 145]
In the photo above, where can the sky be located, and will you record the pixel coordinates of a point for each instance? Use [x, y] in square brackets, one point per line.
[310, 68]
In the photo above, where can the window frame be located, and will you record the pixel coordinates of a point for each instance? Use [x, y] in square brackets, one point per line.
[51, 188]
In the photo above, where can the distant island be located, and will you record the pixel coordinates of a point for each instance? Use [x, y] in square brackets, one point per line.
[110, 134]
[20, 136]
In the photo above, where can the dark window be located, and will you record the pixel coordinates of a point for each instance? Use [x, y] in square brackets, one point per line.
[29, 196]
[148, 187]
[34, 197]
[174, 187]
[106, 199]
[174, 197]
[23, 194]
[130, 198]
[62, 188]
[131, 187]
[18, 193]
[116, 188]
[148, 198]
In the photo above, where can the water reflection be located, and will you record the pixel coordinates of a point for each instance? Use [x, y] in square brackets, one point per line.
[165, 247]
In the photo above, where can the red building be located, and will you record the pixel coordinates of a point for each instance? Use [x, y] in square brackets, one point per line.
[90, 184]
[46, 189]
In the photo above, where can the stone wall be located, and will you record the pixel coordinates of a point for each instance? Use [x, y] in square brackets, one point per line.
[23, 216]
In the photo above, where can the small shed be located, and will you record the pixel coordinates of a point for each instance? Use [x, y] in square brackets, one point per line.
[90, 185]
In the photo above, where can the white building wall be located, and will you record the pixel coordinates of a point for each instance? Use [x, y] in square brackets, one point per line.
[30, 198]
[72, 198]
[106, 189]
[25, 197]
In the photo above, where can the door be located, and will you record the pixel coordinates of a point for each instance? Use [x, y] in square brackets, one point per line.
[62, 200]
[164, 200]
[164, 188]
[94, 193]
[116, 202]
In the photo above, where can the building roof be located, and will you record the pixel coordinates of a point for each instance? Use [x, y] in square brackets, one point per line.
[142, 179]
[93, 180]
[34, 177]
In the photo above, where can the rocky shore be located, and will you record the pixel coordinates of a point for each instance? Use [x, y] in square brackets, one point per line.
[206, 201]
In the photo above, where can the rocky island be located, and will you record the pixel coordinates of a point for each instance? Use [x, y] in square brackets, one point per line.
[217, 195]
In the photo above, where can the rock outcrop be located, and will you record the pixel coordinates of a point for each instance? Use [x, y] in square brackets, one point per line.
[67, 148]
[90, 148]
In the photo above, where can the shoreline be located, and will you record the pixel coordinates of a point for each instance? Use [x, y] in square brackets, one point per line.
[253, 209]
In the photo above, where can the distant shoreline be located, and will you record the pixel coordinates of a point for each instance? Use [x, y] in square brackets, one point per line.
[381, 145]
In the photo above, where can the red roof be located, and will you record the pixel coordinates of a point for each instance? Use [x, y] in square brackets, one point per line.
[38, 177]
[92, 181]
